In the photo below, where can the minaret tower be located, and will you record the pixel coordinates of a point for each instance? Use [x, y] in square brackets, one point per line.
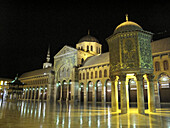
[47, 64]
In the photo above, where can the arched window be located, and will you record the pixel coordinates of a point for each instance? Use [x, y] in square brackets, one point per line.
[68, 72]
[95, 74]
[87, 48]
[87, 75]
[91, 75]
[80, 76]
[105, 73]
[165, 63]
[96, 49]
[100, 74]
[157, 66]
[83, 76]
[82, 60]
[91, 48]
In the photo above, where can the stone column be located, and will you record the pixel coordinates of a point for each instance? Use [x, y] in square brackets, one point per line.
[31, 93]
[114, 94]
[123, 93]
[151, 94]
[28, 93]
[61, 86]
[157, 95]
[140, 94]
[24, 94]
[94, 94]
[103, 95]
[67, 99]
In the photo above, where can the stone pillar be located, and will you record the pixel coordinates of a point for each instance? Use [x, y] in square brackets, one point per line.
[123, 93]
[28, 93]
[157, 95]
[151, 94]
[114, 94]
[85, 93]
[140, 94]
[94, 93]
[103, 96]
[24, 94]
[31, 93]
[61, 86]
[39, 93]
[67, 99]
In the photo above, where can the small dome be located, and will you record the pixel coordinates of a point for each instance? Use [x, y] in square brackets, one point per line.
[88, 38]
[127, 26]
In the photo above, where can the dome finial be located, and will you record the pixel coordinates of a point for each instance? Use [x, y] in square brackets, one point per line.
[88, 31]
[126, 17]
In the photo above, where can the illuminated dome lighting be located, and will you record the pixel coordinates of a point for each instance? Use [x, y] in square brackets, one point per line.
[88, 38]
[127, 26]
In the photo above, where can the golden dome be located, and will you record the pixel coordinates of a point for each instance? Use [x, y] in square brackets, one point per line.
[127, 26]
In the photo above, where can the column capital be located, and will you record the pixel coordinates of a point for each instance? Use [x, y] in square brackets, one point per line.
[122, 77]
[150, 77]
[113, 77]
[139, 77]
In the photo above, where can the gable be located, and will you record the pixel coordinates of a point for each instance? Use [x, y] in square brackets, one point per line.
[65, 51]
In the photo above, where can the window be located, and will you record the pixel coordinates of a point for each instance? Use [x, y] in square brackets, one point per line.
[95, 74]
[83, 76]
[91, 48]
[82, 60]
[91, 75]
[87, 75]
[96, 49]
[99, 50]
[87, 48]
[105, 73]
[165, 63]
[157, 66]
[100, 74]
[80, 76]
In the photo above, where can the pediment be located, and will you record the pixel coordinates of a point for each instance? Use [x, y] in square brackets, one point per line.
[65, 51]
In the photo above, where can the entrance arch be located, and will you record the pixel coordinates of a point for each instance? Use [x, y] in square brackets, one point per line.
[164, 87]
[37, 93]
[98, 91]
[45, 93]
[108, 91]
[58, 91]
[90, 91]
[69, 96]
[33, 93]
[64, 90]
[82, 92]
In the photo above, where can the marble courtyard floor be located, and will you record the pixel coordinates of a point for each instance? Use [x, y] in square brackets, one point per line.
[25, 114]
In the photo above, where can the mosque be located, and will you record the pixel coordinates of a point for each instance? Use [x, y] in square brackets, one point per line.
[134, 70]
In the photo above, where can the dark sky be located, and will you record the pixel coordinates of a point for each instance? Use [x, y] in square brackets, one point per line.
[26, 29]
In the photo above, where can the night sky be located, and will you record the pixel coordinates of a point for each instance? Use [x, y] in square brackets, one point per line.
[26, 29]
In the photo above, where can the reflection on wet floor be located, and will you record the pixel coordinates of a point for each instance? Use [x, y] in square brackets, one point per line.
[45, 115]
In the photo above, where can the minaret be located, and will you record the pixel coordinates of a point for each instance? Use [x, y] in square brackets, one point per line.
[48, 55]
[47, 64]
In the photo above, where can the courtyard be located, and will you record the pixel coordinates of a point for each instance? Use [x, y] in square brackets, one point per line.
[28, 114]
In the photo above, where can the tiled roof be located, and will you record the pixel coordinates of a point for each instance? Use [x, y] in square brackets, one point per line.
[36, 72]
[161, 45]
[98, 59]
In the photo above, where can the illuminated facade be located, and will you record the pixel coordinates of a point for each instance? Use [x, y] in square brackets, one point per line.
[3, 87]
[83, 73]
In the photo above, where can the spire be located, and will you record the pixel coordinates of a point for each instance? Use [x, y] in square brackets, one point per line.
[88, 31]
[48, 54]
[126, 17]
